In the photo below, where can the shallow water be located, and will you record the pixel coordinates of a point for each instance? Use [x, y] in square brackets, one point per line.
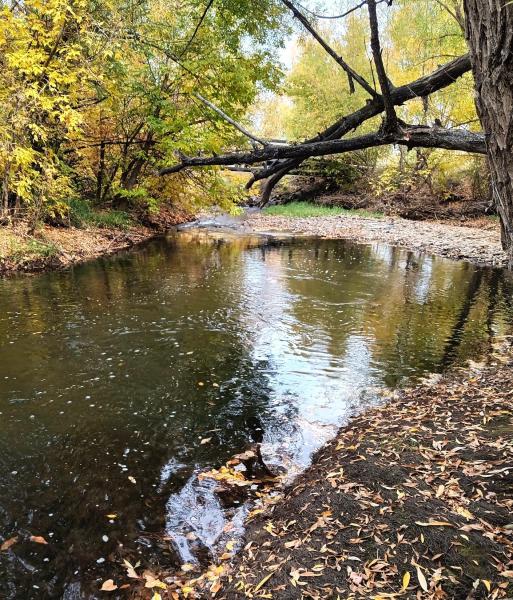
[112, 373]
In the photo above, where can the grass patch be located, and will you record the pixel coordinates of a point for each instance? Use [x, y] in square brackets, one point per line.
[307, 209]
[19, 250]
[81, 214]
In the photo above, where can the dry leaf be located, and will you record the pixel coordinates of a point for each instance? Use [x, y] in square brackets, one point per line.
[406, 580]
[108, 586]
[434, 524]
[8, 543]
[132, 479]
[205, 440]
[264, 580]
[38, 539]
[506, 574]
[422, 579]
[130, 569]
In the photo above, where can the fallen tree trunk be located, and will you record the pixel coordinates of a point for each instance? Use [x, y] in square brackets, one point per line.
[423, 137]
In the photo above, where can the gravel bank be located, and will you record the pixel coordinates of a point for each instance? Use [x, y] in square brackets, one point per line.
[479, 245]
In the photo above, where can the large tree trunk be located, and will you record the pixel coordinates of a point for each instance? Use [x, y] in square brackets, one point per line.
[489, 28]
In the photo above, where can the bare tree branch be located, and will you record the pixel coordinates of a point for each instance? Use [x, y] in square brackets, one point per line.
[419, 88]
[339, 60]
[232, 122]
[391, 117]
[345, 14]
[409, 135]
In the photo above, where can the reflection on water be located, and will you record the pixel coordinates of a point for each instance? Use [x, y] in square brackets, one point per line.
[112, 374]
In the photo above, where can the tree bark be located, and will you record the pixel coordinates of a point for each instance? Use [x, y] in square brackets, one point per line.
[489, 31]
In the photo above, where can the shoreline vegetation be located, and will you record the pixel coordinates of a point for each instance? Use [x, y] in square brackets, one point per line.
[95, 235]
[411, 499]
[105, 233]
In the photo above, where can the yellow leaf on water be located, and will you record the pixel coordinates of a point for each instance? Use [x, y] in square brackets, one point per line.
[108, 586]
[422, 579]
[406, 580]
[8, 543]
[112, 516]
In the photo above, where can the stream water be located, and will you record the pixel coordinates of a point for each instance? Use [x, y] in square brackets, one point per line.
[121, 378]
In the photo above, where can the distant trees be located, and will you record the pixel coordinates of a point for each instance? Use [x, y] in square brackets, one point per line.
[96, 96]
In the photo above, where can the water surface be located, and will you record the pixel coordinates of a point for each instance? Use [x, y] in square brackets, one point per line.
[112, 373]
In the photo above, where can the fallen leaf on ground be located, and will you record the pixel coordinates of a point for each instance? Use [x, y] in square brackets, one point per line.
[8, 543]
[38, 539]
[422, 579]
[406, 579]
[264, 580]
[108, 586]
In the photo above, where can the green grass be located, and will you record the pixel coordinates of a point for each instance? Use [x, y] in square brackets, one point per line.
[23, 250]
[82, 214]
[307, 209]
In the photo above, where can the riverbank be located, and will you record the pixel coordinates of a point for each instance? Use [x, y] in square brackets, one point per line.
[412, 499]
[478, 244]
[54, 248]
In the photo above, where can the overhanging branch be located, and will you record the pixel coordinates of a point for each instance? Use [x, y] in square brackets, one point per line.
[410, 136]
[428, 84]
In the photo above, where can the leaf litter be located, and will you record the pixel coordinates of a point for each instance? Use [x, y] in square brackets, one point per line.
[412, 499]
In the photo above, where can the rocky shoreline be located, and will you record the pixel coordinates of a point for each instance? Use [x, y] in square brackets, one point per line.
[479, 244]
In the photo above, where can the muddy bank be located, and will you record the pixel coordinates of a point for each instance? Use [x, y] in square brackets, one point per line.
[480, 244]
[412, 499]
[61, 247]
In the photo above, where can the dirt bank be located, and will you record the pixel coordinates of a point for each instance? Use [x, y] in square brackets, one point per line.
[478, 244]
[412, 499]
[61, 247]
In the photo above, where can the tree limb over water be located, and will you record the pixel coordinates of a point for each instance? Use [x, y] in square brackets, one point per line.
[278, 161]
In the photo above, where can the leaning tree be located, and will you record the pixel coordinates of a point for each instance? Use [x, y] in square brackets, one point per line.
[489, 28]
